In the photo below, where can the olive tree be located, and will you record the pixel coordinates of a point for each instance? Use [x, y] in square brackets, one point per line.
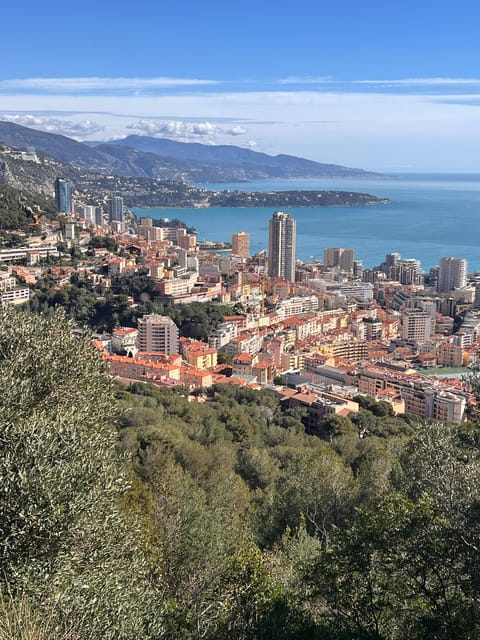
[66, 541]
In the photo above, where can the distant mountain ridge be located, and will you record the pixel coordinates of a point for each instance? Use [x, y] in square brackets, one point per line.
[31, 175]
[162, 158]
[280, 166]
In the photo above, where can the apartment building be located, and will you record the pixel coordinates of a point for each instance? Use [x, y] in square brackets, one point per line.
[157, 333]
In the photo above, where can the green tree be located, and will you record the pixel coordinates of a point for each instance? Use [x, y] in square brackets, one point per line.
[65, 539]
[393, 574]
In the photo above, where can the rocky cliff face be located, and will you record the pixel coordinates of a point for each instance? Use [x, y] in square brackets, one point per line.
[31, 176]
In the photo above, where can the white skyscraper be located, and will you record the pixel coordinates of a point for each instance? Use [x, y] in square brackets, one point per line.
[452, 274]
[282, 246]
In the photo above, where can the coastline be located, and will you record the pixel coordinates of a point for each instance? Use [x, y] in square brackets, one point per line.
[254, 206]
[424, 218]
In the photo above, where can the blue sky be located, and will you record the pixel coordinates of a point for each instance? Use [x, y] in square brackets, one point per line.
[380, 85]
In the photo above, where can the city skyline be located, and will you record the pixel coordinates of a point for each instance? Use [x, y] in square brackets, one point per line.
[399, 100]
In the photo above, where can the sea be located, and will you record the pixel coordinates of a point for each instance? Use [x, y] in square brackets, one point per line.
[429, 216]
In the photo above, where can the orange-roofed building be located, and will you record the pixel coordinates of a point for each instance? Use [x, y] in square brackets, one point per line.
[240, 321]
[24, 274]
[139, 369]
[394, 398]
[202, 358]
[427, 360]
[264, 372]
[242, 364]
[450, 355]
[191, 376]
[197, 353]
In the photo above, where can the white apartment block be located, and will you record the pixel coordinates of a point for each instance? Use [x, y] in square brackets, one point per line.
[444, 406]
[9, 255]
[362, 291]
[452, 274]
[295, 306]
[417, 325]
[124, 341]
[157, 333]
[225, 333]
[15, 296]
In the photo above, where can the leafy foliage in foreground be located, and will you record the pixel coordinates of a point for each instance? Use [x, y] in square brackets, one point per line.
[222, 519]
[65, 541]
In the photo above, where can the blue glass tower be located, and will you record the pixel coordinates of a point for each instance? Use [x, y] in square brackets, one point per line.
[63, 195]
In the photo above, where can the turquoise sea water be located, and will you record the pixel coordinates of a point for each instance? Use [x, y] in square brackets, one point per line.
[430, 216]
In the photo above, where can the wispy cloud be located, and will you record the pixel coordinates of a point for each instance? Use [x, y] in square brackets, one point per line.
[421, 82]
[101, 83]
[379, 83]
[185, 131]
[305, 80]
[436, 130]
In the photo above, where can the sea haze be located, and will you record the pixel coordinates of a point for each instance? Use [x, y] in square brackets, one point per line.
[429, 216]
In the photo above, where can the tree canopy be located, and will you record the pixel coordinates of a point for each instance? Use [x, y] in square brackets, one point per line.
[143, 513]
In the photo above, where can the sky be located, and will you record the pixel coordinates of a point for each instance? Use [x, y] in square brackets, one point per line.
[384, 86]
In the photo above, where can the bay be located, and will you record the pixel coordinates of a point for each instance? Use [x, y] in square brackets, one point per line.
[430, 216]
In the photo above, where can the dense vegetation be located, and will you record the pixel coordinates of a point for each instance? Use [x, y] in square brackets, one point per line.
[104, 309]
[19, 213]
[136, 514]
[291, 199]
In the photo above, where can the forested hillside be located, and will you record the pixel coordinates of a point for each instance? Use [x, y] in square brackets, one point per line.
[20, 212]
[140, 514]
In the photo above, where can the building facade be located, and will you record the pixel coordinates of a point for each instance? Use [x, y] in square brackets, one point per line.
[339, 257]
[452, 274]
[115, 209]
[63, 195]
[282, 246]
[157, 334]
[417, 325]
[241, 244]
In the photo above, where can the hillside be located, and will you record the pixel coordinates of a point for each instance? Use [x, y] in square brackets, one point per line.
[139, 513]
[37, 177]
[252, 164]
[138, 156]
[32, 176]
[20, 212]
[145, 179]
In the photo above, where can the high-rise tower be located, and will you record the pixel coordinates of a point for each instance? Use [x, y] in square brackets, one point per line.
[342, 258]
[115, 209]
[452, 274]
[282, 246]
[241, 244]
[63, 195]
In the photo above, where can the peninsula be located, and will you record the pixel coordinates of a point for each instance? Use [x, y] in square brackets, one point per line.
[190, 196]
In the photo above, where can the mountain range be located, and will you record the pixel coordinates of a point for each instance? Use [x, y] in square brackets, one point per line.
[162, 158]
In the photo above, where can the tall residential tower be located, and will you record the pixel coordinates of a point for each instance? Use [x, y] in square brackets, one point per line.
[63, 195]
[452, 274]
[339, 257]
[282, 246]
[115, 209]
